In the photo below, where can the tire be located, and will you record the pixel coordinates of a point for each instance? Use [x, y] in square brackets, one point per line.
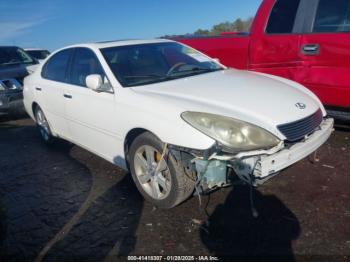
[174, 185]
[43, 126]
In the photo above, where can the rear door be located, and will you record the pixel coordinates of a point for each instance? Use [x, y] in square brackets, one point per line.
[325, 50]
[50, 90]
[275, 39]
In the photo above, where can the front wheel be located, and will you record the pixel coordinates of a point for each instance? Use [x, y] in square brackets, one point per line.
[161, 180]
[43, 125]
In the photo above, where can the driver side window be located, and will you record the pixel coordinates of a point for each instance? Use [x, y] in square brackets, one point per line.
[85, 63]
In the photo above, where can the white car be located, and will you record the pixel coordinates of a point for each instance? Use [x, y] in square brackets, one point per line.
[177, 119]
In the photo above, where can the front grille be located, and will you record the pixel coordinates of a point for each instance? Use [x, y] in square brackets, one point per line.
[299, 129]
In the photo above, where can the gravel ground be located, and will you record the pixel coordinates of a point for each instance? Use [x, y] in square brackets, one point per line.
[63, 203]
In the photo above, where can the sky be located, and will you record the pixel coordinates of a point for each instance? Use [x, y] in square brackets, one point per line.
[53, 24]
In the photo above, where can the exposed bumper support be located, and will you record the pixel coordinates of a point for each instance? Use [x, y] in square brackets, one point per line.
[254, 167]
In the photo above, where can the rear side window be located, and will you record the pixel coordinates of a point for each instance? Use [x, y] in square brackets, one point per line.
[85, 63]
[332, 16]
[56, 67]
[282, 17]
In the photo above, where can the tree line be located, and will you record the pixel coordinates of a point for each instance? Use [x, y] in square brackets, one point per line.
[239, 25]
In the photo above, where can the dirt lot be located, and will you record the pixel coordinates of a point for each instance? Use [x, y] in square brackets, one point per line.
[64, 202]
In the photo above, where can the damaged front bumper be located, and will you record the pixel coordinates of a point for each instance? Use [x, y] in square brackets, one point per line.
[256, 167]
[264, 166]
[269, 165]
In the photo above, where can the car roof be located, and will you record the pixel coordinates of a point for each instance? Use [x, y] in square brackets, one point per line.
[114, 43]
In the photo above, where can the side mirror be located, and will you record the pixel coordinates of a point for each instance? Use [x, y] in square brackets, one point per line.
[95, 83]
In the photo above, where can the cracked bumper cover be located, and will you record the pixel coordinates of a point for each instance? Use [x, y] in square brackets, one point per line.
[255, 167]
[272, 164]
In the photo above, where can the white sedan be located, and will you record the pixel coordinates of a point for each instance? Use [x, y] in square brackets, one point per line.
[177, 119]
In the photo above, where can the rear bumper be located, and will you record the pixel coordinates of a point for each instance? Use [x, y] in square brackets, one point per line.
[270, 165]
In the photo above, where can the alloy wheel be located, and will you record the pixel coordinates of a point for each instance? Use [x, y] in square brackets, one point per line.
[152, 172]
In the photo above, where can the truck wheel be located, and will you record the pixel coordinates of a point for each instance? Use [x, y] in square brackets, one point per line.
[43, 126]
[166, 187]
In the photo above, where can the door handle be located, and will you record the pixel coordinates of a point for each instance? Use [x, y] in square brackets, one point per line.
[310, 49]
[38, 88]
[67, 96]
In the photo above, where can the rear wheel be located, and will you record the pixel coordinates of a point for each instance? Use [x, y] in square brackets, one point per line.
[43, 125]
[161, 180]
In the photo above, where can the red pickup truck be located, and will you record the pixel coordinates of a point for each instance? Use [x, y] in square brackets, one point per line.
[307, 41]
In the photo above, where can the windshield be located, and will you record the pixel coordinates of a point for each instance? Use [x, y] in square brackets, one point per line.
[38, 54]
[14, 55]
[144, 64]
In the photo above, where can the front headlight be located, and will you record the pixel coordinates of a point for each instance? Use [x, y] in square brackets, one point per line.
[232, 133]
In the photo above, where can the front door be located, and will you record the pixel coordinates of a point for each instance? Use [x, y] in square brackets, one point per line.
[49, 93]
[90, 115]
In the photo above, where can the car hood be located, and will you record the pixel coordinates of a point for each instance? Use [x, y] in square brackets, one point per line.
[258, 99]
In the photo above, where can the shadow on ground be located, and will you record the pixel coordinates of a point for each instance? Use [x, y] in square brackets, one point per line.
[3, 227]
[232, 229]
[107, 228]
[62, 202]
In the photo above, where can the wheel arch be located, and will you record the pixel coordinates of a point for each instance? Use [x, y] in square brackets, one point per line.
[34, 106]
[182, 186]
[129, 139]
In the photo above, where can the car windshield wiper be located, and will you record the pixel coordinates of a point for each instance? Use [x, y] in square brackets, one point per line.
[200, 69]
[145, 76]
[160, 78]
[194, 70]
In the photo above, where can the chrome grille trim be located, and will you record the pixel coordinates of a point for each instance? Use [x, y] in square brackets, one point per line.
[299, 129]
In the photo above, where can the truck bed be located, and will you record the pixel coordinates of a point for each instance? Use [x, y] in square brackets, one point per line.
[232, 49]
